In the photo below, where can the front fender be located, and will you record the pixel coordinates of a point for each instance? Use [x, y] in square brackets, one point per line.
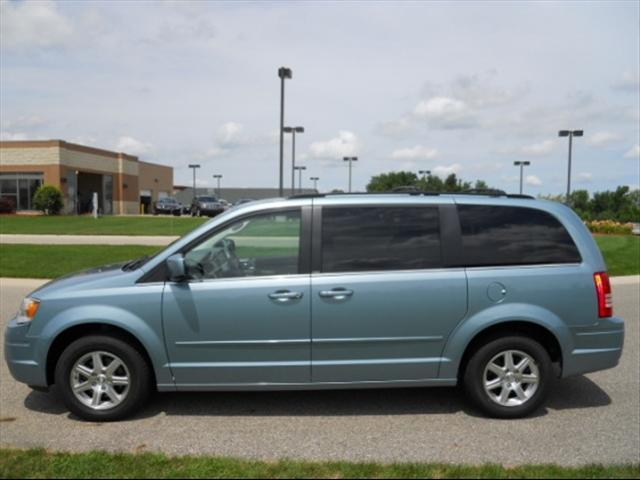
[469, 328]
[114, 316]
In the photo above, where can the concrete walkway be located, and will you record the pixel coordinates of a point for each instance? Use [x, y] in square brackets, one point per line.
[154, 241]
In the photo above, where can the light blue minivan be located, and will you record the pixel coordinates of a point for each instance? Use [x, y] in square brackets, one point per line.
[497, 293]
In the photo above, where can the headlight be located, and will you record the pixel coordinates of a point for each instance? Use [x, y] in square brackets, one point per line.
[28, 310]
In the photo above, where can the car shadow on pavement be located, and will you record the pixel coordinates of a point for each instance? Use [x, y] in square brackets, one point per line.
[576, 392]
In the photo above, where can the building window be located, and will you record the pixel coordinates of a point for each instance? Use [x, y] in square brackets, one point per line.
[19, 188]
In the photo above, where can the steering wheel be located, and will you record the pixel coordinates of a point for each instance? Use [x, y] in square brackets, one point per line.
[220, 261]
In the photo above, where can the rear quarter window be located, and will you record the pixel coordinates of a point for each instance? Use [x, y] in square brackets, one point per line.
[502, 235]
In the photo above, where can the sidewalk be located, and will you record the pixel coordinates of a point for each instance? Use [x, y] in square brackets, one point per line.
[154, 241]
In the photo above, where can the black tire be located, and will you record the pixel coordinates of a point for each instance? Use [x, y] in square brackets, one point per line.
[140, 382]
[473, 377]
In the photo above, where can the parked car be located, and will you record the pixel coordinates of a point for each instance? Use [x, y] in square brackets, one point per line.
[167, 205]
[206, 205]
[498, 294]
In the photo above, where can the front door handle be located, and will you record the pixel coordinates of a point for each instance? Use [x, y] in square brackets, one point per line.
[336, 293]
[283, 296]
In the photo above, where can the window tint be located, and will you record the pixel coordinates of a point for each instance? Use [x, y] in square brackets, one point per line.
[496, 235]
[264, 244]
[380, 238]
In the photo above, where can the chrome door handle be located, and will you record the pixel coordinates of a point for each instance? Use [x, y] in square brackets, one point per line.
[336, 293]
[283, 296]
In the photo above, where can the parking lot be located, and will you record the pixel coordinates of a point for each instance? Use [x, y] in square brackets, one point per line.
[589, 419]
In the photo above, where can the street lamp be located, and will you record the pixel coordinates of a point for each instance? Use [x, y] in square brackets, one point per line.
[293, 131]
[521, 165]
[194, 166]
[315, 182]
[283, 73]
[424, 172]
[350, 159]
[570, 134]
[218, 177]
[300, 169]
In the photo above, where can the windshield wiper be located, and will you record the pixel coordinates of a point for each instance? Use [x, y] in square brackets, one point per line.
[133, 264]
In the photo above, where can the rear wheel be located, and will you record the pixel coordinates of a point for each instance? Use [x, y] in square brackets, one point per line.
[508, 377]
[103, 378]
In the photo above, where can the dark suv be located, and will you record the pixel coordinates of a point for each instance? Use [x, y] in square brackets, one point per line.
[167, 205]
[206, 205]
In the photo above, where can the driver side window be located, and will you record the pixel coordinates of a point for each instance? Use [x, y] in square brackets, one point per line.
[262, 245]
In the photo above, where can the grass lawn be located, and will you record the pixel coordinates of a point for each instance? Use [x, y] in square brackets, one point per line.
[622, 253]
[51, 261]
[38, 463]
[108, 225]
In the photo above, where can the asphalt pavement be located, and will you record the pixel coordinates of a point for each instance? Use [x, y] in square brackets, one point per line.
[588, 419]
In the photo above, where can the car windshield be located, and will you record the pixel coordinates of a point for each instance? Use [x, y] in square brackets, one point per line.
[168, 200]
[207, 199]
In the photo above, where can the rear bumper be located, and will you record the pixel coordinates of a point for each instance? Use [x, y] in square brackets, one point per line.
[20, 352]
[596, 348]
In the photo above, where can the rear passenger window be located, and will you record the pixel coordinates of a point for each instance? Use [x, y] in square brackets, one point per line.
[380, 238]
[496, 235]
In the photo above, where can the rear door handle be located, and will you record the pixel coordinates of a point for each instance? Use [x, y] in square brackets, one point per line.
[336, 293]
[283, 296]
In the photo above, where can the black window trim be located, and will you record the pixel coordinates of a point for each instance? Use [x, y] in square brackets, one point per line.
[448, 223]
[160, 273]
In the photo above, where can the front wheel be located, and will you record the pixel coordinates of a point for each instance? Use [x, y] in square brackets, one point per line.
[103, 378]
[508, 377]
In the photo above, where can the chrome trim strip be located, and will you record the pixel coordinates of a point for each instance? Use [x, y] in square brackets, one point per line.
[206, 343]
[378, 339]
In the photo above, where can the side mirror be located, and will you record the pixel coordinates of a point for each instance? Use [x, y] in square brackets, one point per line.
[175, 265]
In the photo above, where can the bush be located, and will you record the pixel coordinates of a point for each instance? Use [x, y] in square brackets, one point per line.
[610, 227]
[48, 199]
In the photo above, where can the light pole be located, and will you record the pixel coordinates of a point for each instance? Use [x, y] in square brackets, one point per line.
[283, 73]
[315, 182]
[218, 177]
[194, 166]
[521, 165]
[424, 172]
[350, 159]
[300, 169]
[293, 131]
[570, 134]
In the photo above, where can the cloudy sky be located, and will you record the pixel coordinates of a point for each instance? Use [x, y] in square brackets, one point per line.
[447, 87]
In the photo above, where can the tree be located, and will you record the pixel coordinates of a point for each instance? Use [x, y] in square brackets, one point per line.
[385, 182]
[48, 199]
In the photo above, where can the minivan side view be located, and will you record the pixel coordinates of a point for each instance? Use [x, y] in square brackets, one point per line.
[497, 293]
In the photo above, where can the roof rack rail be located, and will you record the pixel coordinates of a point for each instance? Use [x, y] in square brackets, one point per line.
[401, 190]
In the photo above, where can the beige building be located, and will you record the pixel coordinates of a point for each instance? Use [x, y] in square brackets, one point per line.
[124, 184]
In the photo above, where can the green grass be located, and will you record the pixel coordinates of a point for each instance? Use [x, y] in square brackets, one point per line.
[38, 463]
[51, 261]
[622, 253]
[108, 225]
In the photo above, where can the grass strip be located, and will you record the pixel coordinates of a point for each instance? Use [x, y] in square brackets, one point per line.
[38, 463]
[622, 253]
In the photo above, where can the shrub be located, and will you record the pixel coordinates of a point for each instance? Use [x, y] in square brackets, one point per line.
[48, 199]
[610, 227]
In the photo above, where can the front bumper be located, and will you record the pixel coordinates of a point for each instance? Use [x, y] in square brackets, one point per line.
[211, 212]
[20, 353]
[596, 347]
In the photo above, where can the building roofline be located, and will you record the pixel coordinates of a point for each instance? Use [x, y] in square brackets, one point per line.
[66, 145]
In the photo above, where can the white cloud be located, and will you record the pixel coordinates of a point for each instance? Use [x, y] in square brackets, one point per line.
[25, 122]
[230, 134]
[585, 177]
[532, 180]
[396, 128]
[539, 149]
[634, 152]
[13, 136]
[446, 170]
[345, 144]
[415, 153]
[478, 91]
[629, 82]
[26, 25]
[445, 112]
[600, 139]
[132, 146]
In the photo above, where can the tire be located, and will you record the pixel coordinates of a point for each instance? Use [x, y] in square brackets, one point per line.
[134, 367]
[504, 400]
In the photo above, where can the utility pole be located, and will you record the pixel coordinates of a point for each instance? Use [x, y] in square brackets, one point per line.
[350, 160]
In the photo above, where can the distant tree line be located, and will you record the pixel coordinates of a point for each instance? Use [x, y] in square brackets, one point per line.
[621, 204]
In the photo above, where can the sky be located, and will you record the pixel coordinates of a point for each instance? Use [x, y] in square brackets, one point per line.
[464, 87]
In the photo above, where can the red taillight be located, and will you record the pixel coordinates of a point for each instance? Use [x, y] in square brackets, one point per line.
[603, 290]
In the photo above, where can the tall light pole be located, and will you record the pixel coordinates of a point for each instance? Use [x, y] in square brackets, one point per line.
[570, 134]
[293, 131]
[424, 172]
[300, 168]
[194, 166]
[521, 165]
[315, 182]
[217, 176]
[283, 73]
[350, 159]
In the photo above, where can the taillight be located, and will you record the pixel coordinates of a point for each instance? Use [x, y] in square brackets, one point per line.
[603, 290]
